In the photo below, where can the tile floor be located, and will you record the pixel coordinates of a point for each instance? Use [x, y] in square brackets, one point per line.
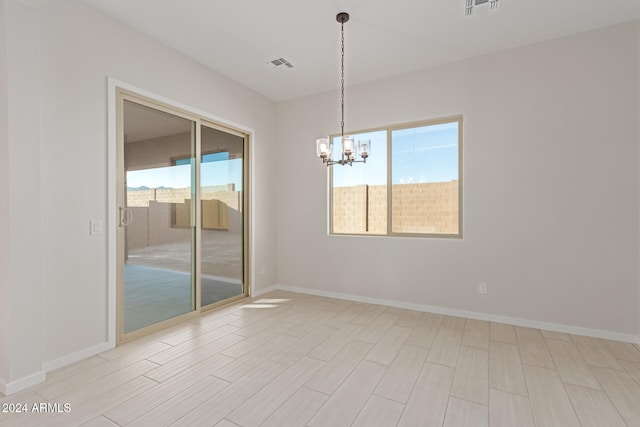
[287, 359]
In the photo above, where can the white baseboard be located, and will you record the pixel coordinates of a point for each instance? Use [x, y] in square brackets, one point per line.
[63, 361]
[575, 330]
[22, 383]
[264, 291]
[40, 377]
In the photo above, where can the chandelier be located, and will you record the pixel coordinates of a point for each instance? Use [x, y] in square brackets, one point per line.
[324, 146]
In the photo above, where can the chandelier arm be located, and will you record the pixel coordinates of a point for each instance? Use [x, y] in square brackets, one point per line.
[343, 162]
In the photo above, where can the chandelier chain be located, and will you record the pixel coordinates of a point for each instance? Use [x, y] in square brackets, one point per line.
[324, 146]
[342, 78]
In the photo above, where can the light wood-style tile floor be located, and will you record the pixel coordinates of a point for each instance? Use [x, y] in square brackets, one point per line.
[287, 359]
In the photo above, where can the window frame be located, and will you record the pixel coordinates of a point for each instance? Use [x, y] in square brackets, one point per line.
[389, 171]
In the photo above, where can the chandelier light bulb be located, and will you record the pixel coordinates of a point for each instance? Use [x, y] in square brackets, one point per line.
[364, 148]
[347, 145]
[322, 147]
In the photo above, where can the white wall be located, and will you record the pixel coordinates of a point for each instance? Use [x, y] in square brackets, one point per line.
[550, 187]
[80, 48]
[638, 119]
[4, 203]
[22, 265]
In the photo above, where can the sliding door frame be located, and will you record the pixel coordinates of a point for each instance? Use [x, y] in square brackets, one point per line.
[245, 210]
[118, 93]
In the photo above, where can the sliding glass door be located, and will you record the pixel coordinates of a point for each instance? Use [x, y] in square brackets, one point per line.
[159, 149]
[181, 215]
[221, 198]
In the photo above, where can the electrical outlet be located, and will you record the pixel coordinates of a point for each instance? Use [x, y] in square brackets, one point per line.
[483, 289]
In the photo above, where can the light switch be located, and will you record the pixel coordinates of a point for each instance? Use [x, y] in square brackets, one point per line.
[95, 227]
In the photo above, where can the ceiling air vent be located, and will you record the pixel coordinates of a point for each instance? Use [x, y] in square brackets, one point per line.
[480, 7]
[280, 62]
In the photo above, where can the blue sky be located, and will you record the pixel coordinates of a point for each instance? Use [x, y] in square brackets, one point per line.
[214, 172]
[424, 154]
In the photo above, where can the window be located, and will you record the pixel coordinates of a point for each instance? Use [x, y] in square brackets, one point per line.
[410, 185]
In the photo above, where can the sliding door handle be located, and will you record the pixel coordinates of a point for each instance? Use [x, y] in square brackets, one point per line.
[125, 216]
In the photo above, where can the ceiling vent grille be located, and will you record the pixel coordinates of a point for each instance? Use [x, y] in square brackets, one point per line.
[280, 62]
[478, 7]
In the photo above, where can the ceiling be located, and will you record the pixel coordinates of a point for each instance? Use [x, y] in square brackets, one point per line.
[383, 38]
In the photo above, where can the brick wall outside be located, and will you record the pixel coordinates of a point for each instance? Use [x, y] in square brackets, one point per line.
[160, 216]
[378, 209]
[417, 208]
[224, 193]
[362, 209]
[140, 198]
[350, 209]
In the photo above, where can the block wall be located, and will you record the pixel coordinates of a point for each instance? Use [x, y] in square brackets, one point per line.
[162, 216]
[417, 208]
[224, 193]
[350, 209]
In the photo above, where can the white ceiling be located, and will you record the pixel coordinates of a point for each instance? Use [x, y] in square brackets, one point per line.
[383, 38]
